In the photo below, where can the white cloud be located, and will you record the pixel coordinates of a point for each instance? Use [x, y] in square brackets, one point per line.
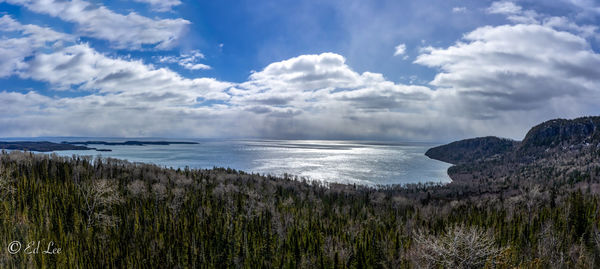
[529, 72]
[459, 9]
[504, 7]
[85, 69]
[53, 57]
[514, 12]
[587, 6]
[148, 98]
[186, 60]
[131, 31]
[29, 39]
[319, 95]
[563, 23]
[192, 66]
[14, 103]
[161, 5]
[400, 49]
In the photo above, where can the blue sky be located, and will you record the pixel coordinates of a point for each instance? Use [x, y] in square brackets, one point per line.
[399, 70]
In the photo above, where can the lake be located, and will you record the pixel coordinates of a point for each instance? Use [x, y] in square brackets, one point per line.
[360, 162]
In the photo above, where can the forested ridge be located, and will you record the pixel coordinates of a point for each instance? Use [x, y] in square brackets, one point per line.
[107, 213]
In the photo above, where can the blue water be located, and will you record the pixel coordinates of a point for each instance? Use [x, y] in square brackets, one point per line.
[331, 161]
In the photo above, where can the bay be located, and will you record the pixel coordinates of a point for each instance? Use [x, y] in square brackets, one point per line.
[351, 162]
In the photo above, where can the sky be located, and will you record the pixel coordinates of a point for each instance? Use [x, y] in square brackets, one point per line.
[435, 70]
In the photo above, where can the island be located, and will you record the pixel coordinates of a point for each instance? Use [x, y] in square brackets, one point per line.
[40, 146]
[46, 146]
[129, 143]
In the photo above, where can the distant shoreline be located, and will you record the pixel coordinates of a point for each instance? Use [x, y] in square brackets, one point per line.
[129, 143]
[46, 146]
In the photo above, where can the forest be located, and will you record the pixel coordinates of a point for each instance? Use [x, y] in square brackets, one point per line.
[110, 213]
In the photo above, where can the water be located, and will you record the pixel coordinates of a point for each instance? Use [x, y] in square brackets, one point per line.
[331, 161]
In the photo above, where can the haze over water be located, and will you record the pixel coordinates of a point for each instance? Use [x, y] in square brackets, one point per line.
[332, 161]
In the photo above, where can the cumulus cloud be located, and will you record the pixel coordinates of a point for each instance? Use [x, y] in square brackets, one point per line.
[131, 31]
[320, 95]
[161, 5]
[528, 71]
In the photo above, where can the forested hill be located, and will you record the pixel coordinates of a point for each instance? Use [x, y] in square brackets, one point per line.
[551, 137]
[554, 152]
[561, 134]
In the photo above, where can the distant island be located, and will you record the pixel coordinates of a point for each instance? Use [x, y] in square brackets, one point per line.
[40, 146]
[129, 143]
[46, 146]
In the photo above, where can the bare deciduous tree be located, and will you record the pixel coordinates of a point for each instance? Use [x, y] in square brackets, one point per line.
[160, 191]
[137, 188]
[596, 237]
[337, 251]
[177, 199]
[549, 247]
[99, 196]
[459, 247]
[6, 187]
